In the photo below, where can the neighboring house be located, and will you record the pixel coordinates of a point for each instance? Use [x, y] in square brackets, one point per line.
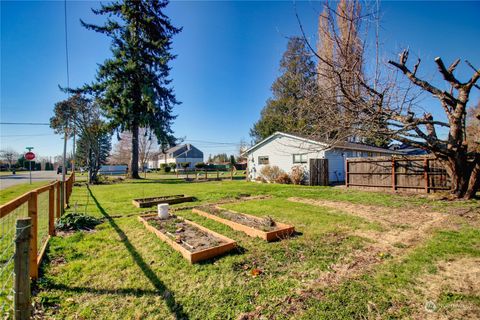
[178, 154]
[287, 150]
[407, 149]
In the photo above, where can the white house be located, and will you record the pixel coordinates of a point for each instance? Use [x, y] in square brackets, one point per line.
[178, 154]
[287, 150]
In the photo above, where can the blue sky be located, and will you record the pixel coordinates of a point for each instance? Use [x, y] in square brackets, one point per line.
[228, 56]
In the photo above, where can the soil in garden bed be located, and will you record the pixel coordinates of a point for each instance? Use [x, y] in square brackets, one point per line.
[187, 235]
[265, 224]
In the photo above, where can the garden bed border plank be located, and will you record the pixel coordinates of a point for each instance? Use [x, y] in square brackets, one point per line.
[192, 257]
[151, 201]
[283, 230]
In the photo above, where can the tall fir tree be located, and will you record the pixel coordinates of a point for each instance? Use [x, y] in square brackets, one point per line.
[133, 86]
[283, 112]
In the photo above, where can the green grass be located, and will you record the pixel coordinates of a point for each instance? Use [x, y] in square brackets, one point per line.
[19, 189]
[121, 271]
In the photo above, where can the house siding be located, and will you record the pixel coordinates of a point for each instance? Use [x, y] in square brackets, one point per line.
[280, 151]
[177, 155]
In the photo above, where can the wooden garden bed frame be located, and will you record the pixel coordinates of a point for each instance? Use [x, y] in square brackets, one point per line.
[150, 202]
[283, 230]
[192, 257]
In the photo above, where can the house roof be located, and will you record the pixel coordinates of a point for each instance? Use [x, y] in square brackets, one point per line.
[181, 150]
[177, 147]
[339, 144]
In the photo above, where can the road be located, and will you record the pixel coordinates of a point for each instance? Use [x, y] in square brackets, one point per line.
[23, 177]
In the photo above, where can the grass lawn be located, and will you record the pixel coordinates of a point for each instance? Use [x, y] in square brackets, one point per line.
[12, 192]
[340, 265]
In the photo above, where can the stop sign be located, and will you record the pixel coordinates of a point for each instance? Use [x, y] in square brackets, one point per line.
[29, 156]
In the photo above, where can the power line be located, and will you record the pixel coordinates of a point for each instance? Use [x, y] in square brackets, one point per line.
[66, 44]
[25, 123]
[214, 142]
[27, 135]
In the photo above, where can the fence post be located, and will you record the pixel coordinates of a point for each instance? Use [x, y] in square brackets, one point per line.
[206, 174]
[394, 176]
[425, 175]
[346, 172]
[21, 285]
[33, 214]
[51, 210]
[218, 175]
[59, 209]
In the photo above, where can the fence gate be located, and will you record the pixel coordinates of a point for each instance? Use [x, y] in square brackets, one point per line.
[319, 172]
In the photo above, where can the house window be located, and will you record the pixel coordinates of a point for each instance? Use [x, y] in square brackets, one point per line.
[263, 160]
[299, 158]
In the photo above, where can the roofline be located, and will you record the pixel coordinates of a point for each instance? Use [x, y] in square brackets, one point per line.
[360, 147]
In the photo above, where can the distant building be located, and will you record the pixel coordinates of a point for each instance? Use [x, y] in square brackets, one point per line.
[287, 150]
[178, 154]
[407, 149]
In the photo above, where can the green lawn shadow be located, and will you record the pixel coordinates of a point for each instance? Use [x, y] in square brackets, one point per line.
[168, 295]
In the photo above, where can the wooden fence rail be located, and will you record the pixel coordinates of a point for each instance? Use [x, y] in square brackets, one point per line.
[397, 173]
[43, 207]
[31, 199]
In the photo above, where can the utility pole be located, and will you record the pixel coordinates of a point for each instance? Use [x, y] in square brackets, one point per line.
[62, 192]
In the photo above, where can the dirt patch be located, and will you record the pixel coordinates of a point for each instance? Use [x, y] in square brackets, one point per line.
[265, 224]
[187, 235]
[459, 277]
[402, 228]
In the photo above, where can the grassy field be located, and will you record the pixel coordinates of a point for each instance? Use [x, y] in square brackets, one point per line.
[356, 255]
[19, 189]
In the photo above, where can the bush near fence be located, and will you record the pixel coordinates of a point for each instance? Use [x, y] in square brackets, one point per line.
[422, 174]
[42, 206]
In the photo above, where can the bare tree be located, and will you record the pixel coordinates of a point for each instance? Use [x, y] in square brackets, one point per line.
[379, 105]
[148, 148]
[10, 156]
[463, 168]
[473, 128]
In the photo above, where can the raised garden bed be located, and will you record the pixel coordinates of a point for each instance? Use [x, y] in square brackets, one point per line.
[149, 202]
[194, 242]
[264, 228]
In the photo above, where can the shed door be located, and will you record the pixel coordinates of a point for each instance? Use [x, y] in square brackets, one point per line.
[319, 172]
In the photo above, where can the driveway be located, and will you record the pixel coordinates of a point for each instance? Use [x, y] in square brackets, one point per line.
[24, 177]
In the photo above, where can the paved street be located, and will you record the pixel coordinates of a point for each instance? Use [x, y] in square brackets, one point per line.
[23, 177]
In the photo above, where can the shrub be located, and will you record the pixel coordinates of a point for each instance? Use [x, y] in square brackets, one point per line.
[163, 166]
[271, 173]
[167, 169]
[172, 165]
[200, 165]
[284, 178]
[297, 176]
[185, 165]
[261, 179]
[77, 221]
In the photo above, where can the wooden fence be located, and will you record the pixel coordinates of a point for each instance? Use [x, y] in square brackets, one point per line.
[411, 173]
[43, 207]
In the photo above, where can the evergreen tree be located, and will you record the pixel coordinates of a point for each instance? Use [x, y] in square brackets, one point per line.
[133, 86]
[284, 111]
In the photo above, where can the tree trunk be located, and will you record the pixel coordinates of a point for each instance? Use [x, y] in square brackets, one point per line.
[91, 178]
[474, 182]
[133, 174]
[464, 175]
